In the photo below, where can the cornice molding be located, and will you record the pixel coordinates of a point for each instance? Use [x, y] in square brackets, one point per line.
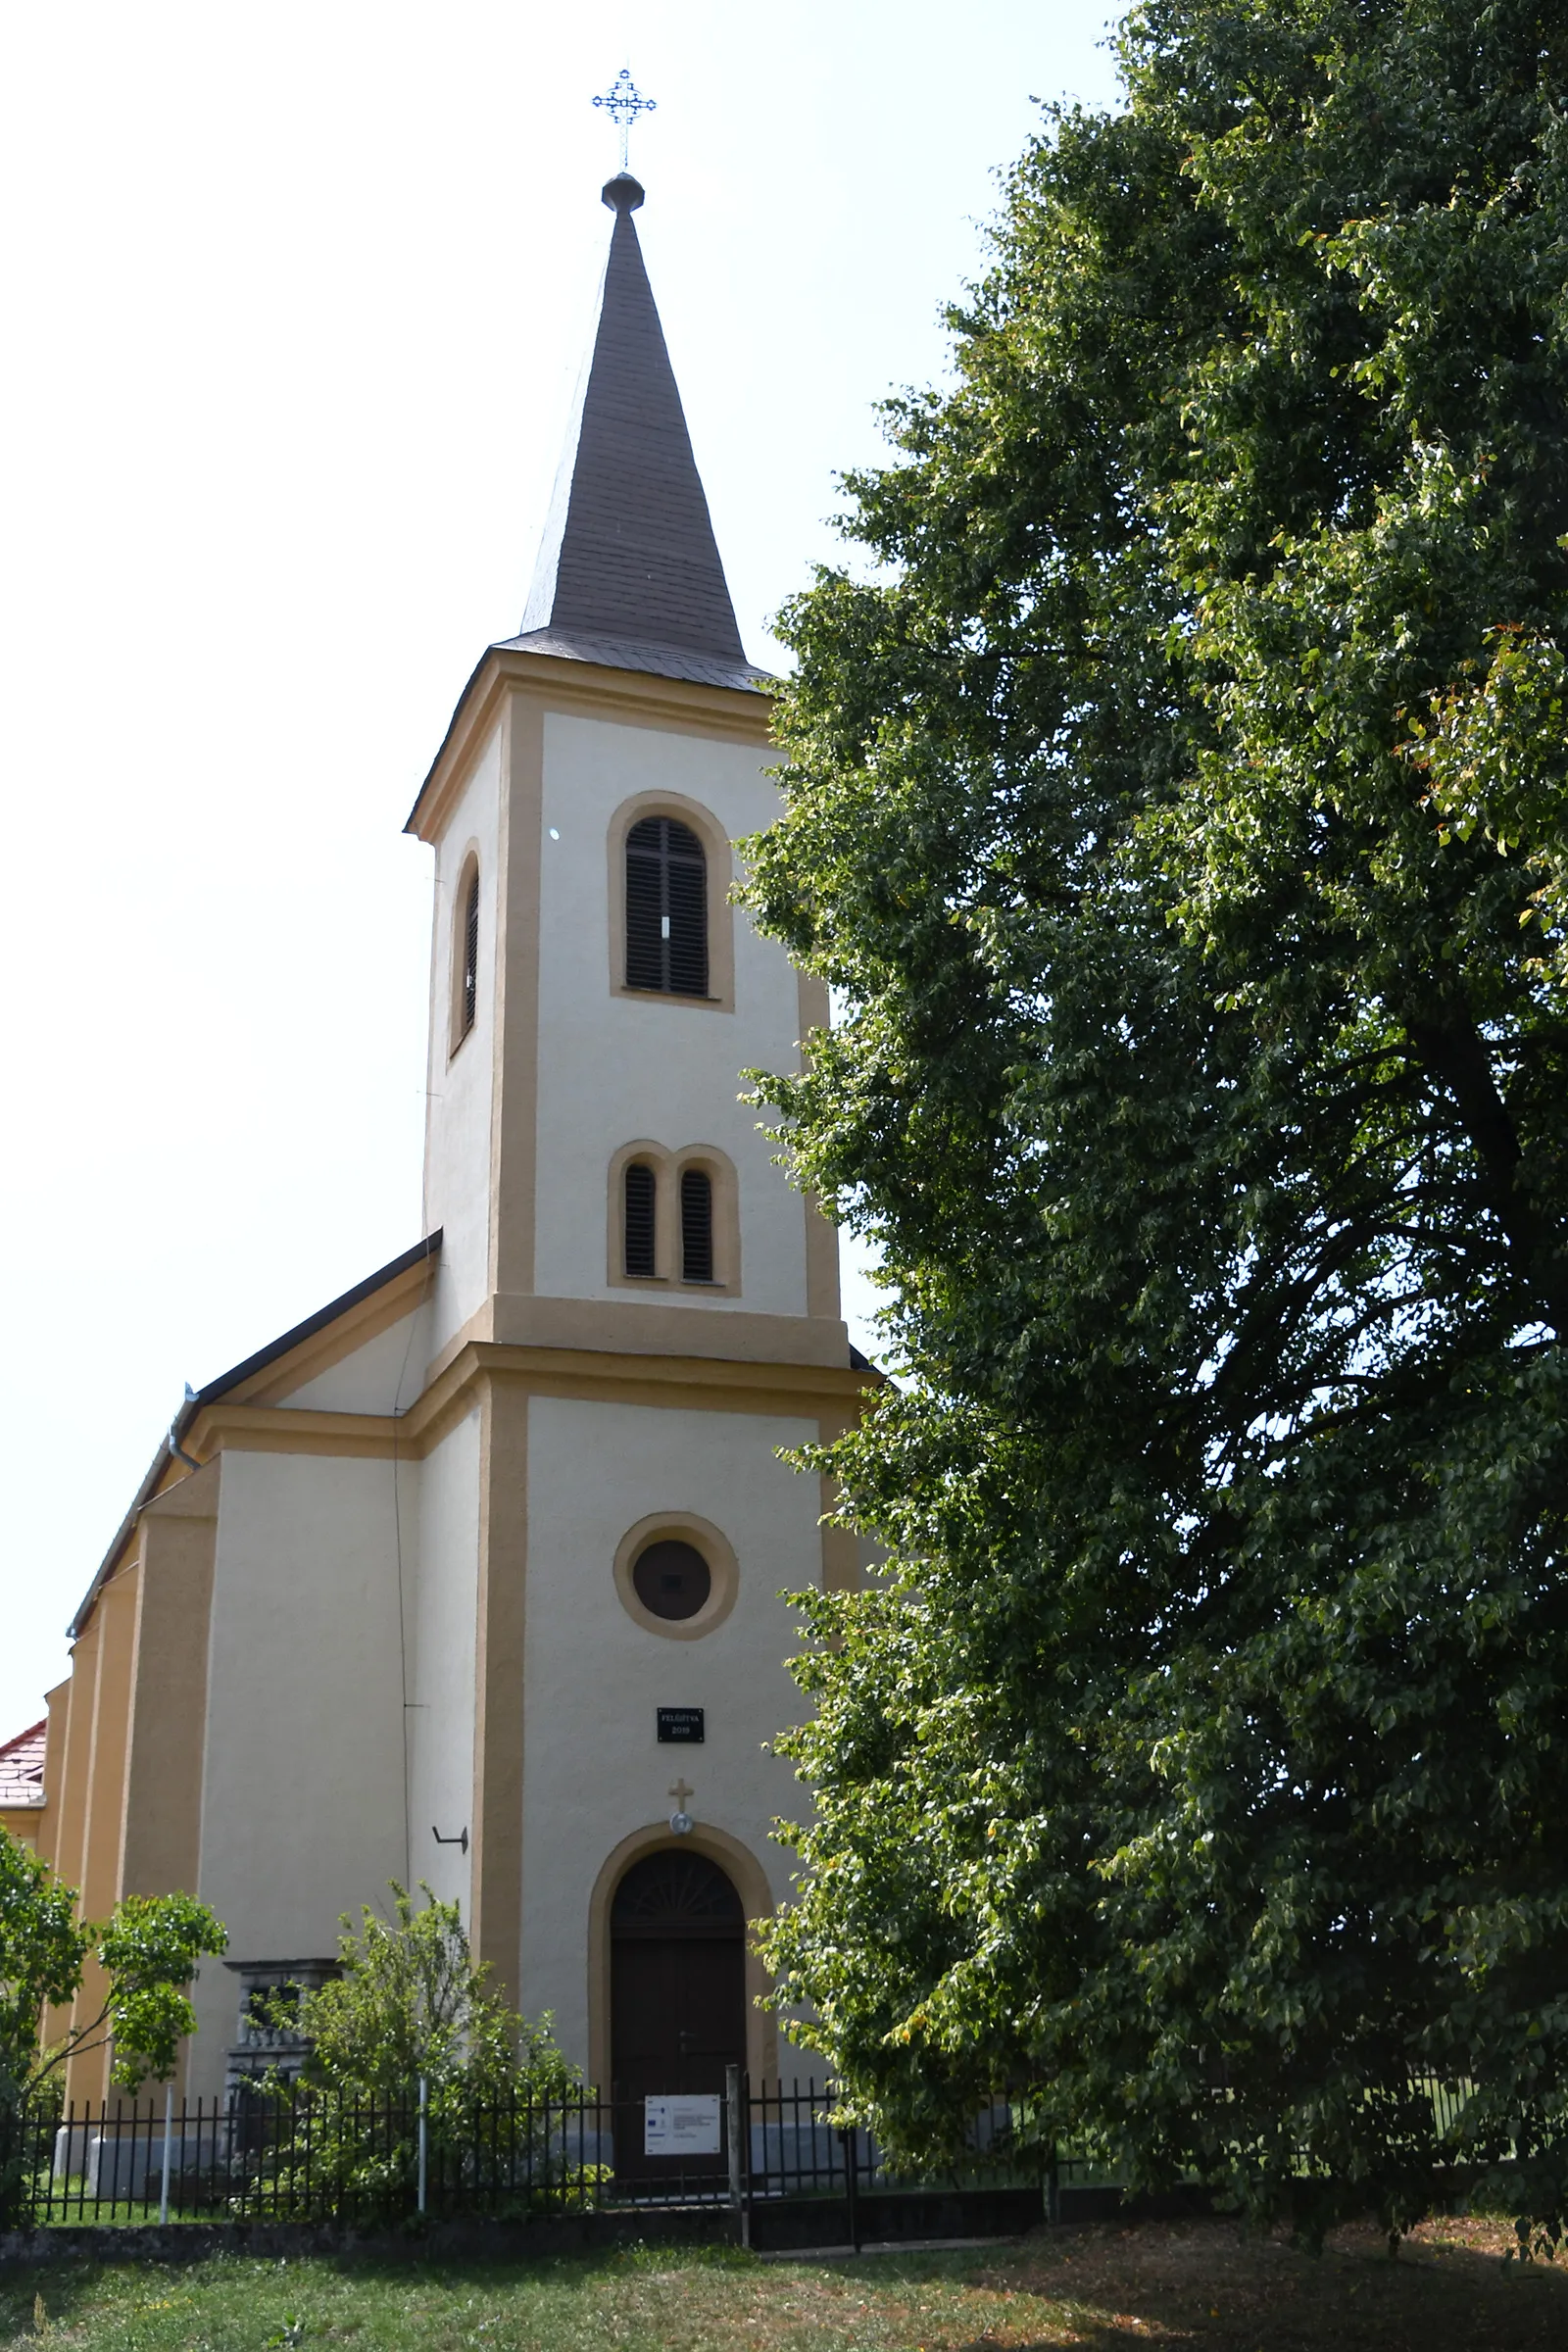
[630, 698]
[704, 1383]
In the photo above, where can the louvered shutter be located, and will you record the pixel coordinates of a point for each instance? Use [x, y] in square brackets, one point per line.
[470, 955]
[695, 1226]
[638, 1196]
[645, 898]
[686, 904]
[666, 909]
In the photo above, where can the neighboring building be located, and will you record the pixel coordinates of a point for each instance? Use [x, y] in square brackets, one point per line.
[22, 1797]
[474, 1578]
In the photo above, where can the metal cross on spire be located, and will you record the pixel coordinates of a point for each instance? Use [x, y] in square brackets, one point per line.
[623, 103]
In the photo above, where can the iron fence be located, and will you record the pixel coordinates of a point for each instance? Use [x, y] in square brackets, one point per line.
[285, 2155]
[282, 2155]
[278, 2153]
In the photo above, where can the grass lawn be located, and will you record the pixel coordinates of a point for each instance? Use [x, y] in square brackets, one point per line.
[1194, 2284]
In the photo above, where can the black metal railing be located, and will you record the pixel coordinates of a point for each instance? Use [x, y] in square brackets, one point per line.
[278, 2153]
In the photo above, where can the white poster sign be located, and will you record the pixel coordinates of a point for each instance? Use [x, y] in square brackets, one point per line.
[681, 2127]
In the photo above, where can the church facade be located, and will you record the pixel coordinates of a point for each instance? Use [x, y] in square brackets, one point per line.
[474, 1578]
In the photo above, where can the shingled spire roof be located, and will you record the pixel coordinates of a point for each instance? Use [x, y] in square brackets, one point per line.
[629, 572]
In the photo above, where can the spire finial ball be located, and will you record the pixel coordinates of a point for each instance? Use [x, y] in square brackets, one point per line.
[622, 194]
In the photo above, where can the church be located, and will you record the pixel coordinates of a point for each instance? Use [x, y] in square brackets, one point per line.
[473, 1578]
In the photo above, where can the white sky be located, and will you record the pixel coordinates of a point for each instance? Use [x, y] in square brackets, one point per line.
[293, 301]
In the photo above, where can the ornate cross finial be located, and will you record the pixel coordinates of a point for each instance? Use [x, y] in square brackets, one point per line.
[680, 1821]
[623, 103]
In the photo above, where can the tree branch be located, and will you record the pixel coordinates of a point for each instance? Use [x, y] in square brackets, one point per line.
[1451, 1052]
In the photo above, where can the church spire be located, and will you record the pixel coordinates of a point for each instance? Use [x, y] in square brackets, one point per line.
[630, 571]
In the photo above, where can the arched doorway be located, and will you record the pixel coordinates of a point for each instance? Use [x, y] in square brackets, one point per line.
[677, 1987]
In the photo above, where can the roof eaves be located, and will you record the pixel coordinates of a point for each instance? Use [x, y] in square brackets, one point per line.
[643, 655]
[458, 709]
[143, 1496]
[428, 1248]
[635, 656]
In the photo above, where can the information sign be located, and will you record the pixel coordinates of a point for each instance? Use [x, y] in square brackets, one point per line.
[681, 2127]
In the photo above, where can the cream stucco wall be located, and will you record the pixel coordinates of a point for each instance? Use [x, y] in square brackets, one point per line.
[611, 1068]
[458, 1137]
[441, 1680]
[385, 1376]
[301, 1811]
[593, 1769]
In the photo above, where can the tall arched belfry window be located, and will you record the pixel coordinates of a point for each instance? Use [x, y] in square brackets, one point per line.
[666, 909]
[470, 952]
[466, 952]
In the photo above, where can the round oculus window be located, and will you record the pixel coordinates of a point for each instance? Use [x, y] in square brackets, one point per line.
[672, 1578]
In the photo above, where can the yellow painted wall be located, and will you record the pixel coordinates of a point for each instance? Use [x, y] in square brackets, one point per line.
[123, 1760]
[103, 1810]
[58, 1703]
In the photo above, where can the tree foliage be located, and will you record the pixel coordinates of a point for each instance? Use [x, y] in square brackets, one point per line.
[411, 2002]
[146, 1953]
[412, 2012]
[1177, 804]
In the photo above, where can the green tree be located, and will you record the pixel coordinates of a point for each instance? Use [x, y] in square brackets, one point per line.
[413, 2007]
[1177, 804]
[411, 2002]
[147, 1951]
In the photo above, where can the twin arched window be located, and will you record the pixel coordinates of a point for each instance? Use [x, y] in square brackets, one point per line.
[696, 1225]
[640, 1223]
[666, 909]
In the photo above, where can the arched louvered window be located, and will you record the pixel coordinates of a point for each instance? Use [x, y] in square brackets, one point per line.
[666, 909]
[696, 1225]
[468, 1003]
[639, 1200]
[464, 951]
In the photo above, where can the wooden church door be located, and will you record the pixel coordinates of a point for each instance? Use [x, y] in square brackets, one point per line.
[677, 1990]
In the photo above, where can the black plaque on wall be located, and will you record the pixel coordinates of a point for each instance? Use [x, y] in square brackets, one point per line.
[680, 1726]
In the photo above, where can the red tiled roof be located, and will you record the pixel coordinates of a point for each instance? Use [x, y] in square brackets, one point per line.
[21, 1767]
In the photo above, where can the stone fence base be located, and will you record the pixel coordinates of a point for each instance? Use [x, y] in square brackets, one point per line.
[884, 2217]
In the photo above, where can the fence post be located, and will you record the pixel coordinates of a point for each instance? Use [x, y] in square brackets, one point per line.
[852, 2185]
[732, 2127]
[169, 2136]
[424, 2135]
[1052, 2188]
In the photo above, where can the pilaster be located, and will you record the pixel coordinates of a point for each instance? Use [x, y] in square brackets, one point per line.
[514, 1103]
[495, 1861]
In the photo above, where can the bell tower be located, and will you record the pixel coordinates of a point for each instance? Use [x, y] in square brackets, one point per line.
[634, 1310]
[603, 759]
